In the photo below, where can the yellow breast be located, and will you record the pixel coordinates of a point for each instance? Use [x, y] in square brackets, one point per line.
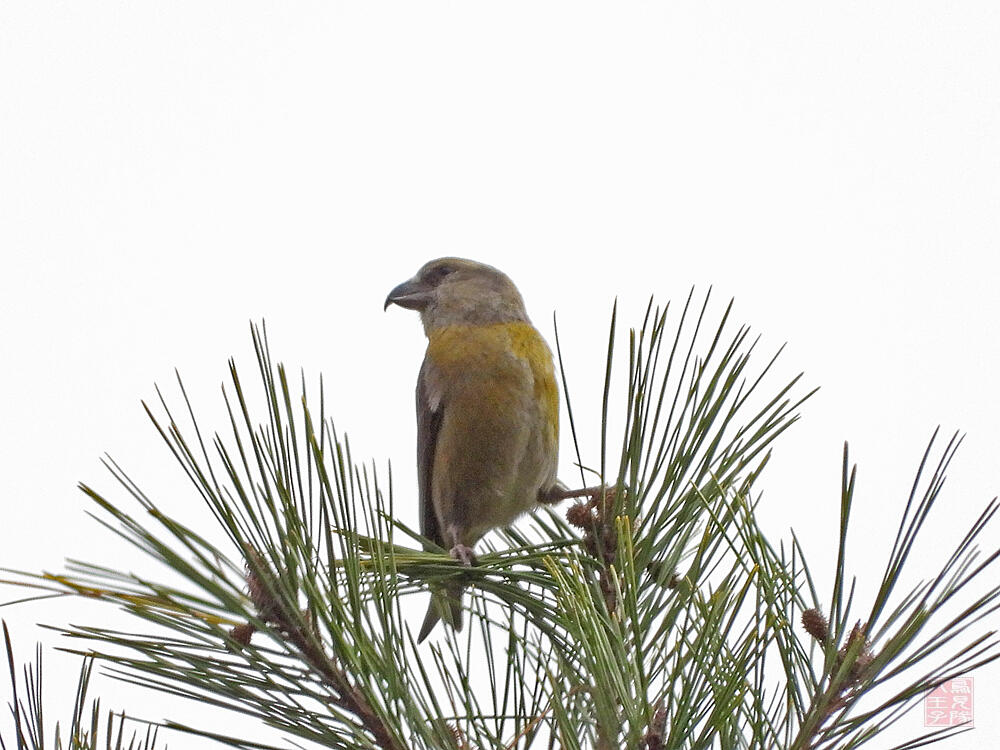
[497, 350]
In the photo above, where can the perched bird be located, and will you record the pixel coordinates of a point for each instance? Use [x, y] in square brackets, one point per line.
[487, 411]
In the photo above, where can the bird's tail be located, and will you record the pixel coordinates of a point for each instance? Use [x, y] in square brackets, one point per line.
[446, 604]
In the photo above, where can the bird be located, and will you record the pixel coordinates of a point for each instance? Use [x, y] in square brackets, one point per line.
[487, 412]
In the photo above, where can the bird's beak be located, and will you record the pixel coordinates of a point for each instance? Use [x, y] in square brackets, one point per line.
[413, 295]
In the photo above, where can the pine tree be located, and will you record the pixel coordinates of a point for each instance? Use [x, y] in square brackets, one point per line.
[652, 615]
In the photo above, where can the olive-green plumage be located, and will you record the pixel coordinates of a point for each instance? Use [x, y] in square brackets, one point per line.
[487, 410]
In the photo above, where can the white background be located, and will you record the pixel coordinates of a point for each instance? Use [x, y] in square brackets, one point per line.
[171, 171]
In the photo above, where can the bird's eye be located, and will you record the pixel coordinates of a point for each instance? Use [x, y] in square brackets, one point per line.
[438, 273]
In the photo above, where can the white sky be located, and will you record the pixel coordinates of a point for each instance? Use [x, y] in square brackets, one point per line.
[170, 171]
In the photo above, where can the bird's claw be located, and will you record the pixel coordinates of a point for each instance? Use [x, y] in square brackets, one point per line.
[464, 555]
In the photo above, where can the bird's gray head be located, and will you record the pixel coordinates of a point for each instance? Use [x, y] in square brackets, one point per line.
[455, 291]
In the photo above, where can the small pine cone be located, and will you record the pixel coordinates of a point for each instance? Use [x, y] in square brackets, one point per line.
[242, 633]
[864, 658]
[267, 608]
[857, 634]
[653, 739]
[604, 502]
[816, 625]
[579, 515]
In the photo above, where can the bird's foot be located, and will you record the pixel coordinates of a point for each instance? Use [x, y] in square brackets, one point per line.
[464, 555]
[559, 493]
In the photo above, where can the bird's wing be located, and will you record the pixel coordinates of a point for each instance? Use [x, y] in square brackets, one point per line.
[429, 412]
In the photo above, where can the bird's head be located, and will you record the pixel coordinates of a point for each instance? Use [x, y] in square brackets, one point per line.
[455, 291]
